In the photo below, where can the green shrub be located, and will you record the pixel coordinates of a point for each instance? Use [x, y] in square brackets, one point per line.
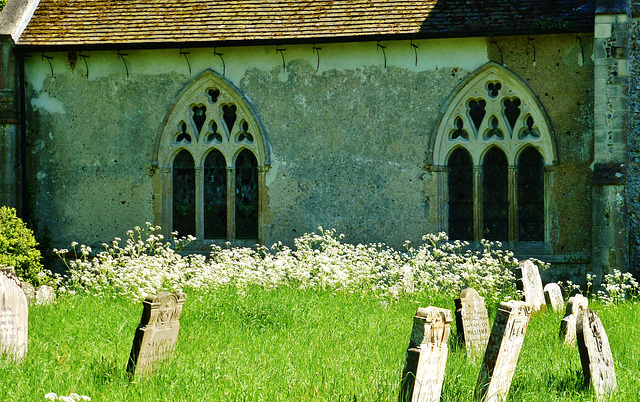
[18, 248]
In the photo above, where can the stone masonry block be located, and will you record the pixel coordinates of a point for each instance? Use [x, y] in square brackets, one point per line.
[602, 30]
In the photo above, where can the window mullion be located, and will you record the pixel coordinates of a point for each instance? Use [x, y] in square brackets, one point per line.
[199, 202]
[231, 203]
[477, 202]
[513, 205]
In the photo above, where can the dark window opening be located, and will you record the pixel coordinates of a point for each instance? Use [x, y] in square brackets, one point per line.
[215, 196]
[460, 195]
[184, 194]
[246, 196]
[495, 195]
[530, 196]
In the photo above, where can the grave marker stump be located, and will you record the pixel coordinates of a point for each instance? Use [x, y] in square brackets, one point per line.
[503, 350]
[14, 316]
[530, 284]
[156, 336]
[472, 322]
[595, 354]
[423, 375]
[553, 297]
[575, 304]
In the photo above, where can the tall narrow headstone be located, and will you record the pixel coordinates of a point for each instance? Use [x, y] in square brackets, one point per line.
[553, 297]
[595, 354]
[14, 316]
[568, 324]
[503, 350]
[472, 322]
[423, 375]
[530, 284]
[156, 336]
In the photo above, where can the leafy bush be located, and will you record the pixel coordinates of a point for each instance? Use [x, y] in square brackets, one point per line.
[146, 263]
[18, 248]
[2, 4]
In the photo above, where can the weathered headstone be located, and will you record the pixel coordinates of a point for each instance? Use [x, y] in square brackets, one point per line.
[14, 316]
[595, 354]
[553, 297]
[45, 295]
[530, 284]
[423, 375]
[472, 322]
[29, 290]
[568, 324]
[157, 334]
[503, 350]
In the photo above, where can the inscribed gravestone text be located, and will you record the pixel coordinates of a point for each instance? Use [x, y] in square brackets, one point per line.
[530, 283]
[568, 324]
[423, 375]
[553, 297]
[595, 354]
[14, 316]
[156, 336]
[503, 350]
[472, 322]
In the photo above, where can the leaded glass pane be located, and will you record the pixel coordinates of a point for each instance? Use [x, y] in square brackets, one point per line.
[215, 196]
[460, 195]
[184, 194]
[246, 196]
[530, 196]
[495, 195]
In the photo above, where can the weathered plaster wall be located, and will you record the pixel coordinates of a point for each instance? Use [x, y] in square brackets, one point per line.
[348, 135]
[559, 70]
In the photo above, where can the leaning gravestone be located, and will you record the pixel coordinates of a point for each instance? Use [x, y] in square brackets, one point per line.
[503, 350]
[423, 375]
[472, 322]
[553, 297]
[28, 290]
[568, 324]
[157, 333]
[14, 316]
[595, 354]
[530, 284]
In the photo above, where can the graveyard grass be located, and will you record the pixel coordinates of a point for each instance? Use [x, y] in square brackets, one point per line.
[288, 344]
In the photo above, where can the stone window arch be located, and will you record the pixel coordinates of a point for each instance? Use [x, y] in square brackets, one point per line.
[493, 156]
[213, 157]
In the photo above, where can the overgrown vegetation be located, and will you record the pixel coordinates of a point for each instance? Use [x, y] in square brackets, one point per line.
[18, 249]
[2, 4]
[146, 263]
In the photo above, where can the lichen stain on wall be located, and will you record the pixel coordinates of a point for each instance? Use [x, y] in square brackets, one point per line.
[96, 156]
[351, 148]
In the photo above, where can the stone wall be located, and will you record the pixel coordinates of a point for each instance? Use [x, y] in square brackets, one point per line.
[349, 136]
[633, 138]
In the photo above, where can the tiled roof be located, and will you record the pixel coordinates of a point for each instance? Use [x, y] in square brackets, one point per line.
[112, 22]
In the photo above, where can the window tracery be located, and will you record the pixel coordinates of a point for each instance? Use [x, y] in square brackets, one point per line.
[494, 151]
[213, 157]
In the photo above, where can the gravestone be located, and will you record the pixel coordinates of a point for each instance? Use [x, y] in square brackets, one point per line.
[503, 350]
[530, 284]
[45, 295]
[29, 291]
[472, 322]
[595, 354]
[568, 324]
[14, 316]
[423, 374]
[156, 336]
[553, 297]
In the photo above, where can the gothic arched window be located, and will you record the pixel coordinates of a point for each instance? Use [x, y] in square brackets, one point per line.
[495, 151]
[213, 157]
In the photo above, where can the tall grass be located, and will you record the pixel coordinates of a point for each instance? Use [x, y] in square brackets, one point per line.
[286, 344]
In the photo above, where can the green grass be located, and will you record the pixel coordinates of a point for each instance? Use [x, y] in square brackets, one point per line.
[287, 345]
